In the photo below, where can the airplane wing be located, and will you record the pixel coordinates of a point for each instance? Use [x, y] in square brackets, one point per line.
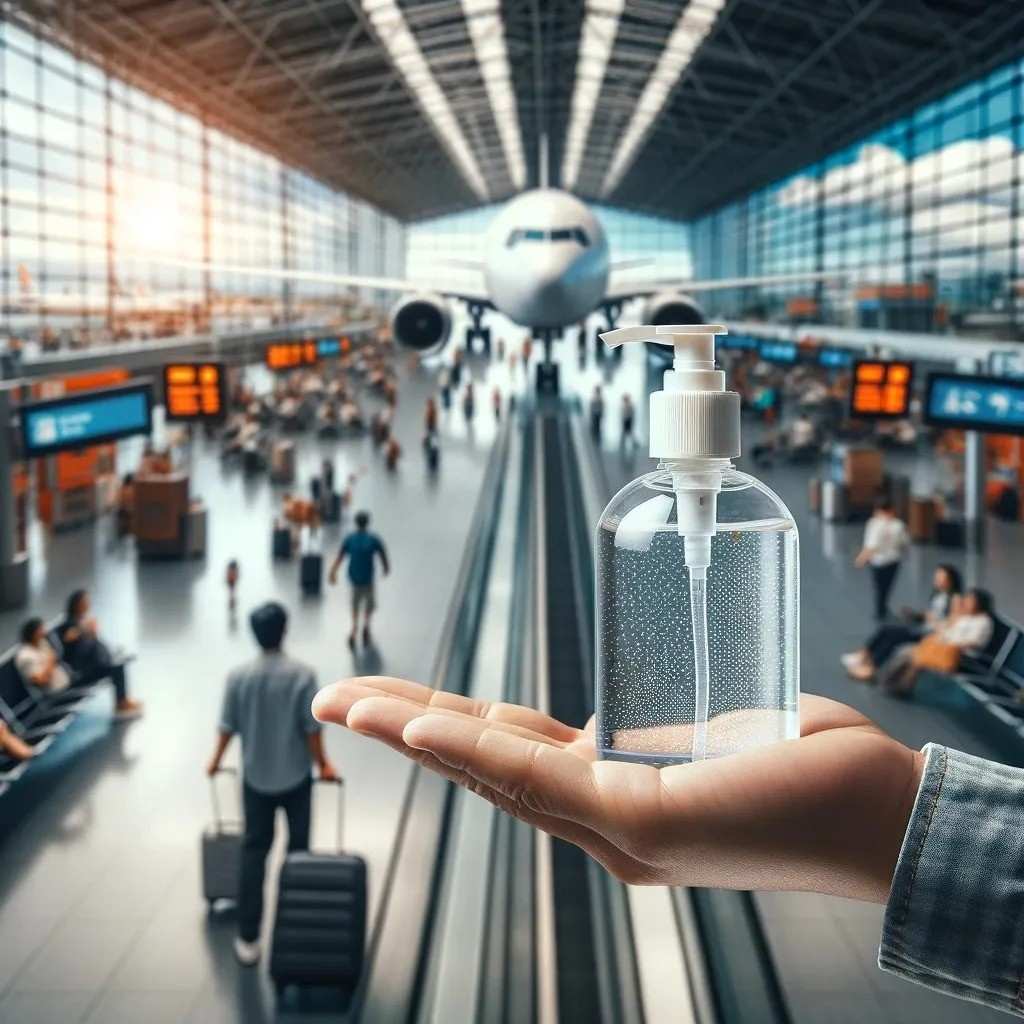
[625, 291]
[385, 284]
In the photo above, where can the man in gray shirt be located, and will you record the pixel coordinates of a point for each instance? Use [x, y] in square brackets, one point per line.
[267, 703]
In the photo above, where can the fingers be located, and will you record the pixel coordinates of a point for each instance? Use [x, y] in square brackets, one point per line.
[333, 703]
[537, 775]
[387, 717]
[387, 720]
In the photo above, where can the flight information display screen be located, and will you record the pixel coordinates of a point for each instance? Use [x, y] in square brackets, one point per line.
[289, 355]
[328, 347]
[992, 405]
[835, 358]
[881, 389]
[779, 351]
[85, 418]
[195, 391]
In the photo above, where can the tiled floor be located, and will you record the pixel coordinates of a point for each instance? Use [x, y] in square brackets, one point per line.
[103, 919]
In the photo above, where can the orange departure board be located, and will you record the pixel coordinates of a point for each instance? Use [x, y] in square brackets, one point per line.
[289, 355]
[881, 389]
[195, 391]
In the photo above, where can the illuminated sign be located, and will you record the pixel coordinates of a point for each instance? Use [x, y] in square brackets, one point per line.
[779, 351]
[881, 389]
[328, 347]
[737, 341]
[992, 405]
[290, 355]
[195, 391]
[86, 418]
[835, 358]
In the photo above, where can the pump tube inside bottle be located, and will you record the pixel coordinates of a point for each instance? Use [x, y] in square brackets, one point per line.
[696, 512]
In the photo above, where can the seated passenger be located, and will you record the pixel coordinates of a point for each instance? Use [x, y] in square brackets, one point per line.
[89, 658]
[13, 746]
[967, 631]
[942, 604]
[802, 436]
[37, 661]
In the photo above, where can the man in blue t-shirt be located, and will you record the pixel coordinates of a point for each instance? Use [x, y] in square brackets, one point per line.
[360, 547]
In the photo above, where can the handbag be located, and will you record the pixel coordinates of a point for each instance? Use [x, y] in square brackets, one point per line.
[934, 653]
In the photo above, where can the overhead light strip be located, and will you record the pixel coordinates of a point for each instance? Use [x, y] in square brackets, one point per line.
[597, 37]
[394, 33]
[487, 30]
[695, 22]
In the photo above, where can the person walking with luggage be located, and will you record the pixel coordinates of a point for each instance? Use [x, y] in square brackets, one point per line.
[361, 547]
[885, 540]
[266, 703]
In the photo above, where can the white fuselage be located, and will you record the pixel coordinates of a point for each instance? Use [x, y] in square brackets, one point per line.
[546, 261]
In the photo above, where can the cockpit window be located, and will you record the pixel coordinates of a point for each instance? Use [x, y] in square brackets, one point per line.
[517, 235]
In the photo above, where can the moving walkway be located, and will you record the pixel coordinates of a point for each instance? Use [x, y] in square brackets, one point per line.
[483, 918]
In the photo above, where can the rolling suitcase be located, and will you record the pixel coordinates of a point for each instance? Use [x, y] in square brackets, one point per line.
[282, 542]
[320, 926]
[311, 571]
[221, 852]
[331, 507]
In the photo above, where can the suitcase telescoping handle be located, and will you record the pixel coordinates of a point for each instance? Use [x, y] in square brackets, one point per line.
[218, 819]
[340, 783]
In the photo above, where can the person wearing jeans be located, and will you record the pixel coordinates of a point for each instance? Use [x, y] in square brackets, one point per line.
[267, 703]
[885, 539]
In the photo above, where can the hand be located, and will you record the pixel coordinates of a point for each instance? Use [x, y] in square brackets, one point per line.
[332, 577]
[213, 767]
[327, 772]
[826, 812]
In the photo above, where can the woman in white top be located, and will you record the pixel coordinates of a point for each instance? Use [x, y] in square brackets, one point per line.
[885, 539]
[37, 661]
[967, 631]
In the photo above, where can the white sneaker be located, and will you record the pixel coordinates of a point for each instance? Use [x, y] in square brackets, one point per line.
[248, 953]
[851, 661]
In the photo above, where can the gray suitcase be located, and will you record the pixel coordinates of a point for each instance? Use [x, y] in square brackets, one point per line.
[221, 852]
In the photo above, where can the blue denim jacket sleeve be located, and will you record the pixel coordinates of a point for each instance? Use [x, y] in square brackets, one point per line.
[955, 917]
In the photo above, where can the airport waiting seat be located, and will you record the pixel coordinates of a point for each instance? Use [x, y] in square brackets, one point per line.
[29, 714]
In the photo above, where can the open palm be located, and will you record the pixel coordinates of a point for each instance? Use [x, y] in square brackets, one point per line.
[826, 812]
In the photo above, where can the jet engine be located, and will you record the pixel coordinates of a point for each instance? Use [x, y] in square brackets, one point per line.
[421, 322]
[672, 308]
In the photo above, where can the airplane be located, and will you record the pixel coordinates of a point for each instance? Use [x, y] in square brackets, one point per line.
[546, 267]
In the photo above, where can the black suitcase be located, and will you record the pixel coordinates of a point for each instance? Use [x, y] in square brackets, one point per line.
[282, 547]
[320, 926]
[311, 572]
[331, 508]
[221, 853]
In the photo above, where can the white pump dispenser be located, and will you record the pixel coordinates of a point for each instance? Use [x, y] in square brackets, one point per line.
[694, 427]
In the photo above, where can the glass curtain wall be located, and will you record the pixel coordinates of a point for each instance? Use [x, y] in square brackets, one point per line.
[112, 200]
[921, 219]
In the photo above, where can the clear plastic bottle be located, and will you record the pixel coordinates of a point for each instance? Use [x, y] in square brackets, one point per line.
[697, 586]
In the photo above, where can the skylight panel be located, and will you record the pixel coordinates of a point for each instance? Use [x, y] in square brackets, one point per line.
[695, 22]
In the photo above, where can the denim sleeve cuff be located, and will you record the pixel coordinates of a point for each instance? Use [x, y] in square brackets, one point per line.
[955, 917]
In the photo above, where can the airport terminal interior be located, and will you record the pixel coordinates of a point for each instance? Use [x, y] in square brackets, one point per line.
[309, 372]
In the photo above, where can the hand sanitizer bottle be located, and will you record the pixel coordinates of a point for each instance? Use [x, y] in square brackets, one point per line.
[698, 645]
